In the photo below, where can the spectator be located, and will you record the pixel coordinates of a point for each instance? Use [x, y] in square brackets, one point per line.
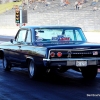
[85, 1]
[67, 2]
[95, 8]
[47, 2]
[23, 3]
[80, 6]
[93, 2]
[64, 2]
[76, 5]
[35, 7]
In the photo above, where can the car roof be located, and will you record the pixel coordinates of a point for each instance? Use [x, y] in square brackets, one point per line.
[50, 26]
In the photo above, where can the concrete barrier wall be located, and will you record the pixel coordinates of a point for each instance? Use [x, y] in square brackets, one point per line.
[89, 21]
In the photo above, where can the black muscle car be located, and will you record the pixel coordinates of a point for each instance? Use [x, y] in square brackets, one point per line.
[43, 48]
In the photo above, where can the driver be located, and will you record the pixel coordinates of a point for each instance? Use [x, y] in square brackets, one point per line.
[38, 36]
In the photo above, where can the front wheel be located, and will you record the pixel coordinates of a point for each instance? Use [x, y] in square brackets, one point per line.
[6, 66]
[89, 73]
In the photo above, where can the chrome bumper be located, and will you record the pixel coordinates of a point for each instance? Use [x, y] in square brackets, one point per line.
[70, 59]
[72, 62]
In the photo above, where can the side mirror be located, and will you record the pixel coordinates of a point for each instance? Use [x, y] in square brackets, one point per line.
[11, 40]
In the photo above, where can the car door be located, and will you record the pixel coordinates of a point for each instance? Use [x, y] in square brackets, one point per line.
[15, 52]
[25, 48]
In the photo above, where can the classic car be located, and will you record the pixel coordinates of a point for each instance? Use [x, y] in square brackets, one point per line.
[46, 48]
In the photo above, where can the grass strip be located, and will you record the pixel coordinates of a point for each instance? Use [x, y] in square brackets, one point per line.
[8, 6]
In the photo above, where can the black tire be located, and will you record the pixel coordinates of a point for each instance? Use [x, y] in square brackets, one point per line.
[89, 73]
[6, 66]
[33, 71]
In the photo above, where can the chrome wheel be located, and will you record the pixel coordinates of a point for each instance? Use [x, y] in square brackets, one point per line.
[4, 63]
[6, 67]
[34, 71]
[31, 69]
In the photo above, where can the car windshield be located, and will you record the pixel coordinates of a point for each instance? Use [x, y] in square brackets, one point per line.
[59, 34]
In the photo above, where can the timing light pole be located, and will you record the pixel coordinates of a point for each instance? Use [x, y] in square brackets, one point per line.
[20, 16]
[20, 8]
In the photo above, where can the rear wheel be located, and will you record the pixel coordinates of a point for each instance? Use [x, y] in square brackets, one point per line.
[89, 73]
[6, 66]
[33, 70]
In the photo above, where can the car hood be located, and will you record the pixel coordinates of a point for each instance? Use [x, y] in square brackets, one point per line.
[74, 45]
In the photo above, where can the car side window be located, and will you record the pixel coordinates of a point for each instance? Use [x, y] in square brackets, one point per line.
[28, 38]
[21, 36]
[69, 33]
[78, 36]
